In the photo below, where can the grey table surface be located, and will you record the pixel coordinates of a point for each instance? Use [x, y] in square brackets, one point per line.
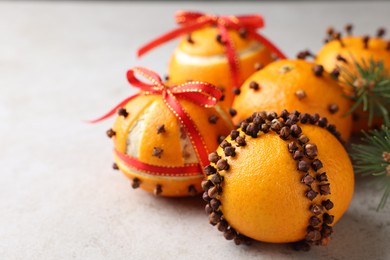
[63, 62]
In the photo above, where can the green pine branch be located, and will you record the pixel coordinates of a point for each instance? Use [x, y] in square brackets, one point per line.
[372, 157]
[370, 89]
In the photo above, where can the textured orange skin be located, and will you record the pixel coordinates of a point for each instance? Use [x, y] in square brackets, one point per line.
[277, 92]
[218, 74]
[168, 141]
[354, 51]
[263, 197]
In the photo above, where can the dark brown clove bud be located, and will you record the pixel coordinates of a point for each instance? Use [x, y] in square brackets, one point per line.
[313, 235]
[252, 130]
[219, 39]
[333, 108]
[189, 39]
[314, 221]
[303, 166]
[297, 155]
[326, 230]
[157, 152]
[271, 115]
[214, 203]
[212, 192]
[122, 112]
[314, 118]
[341, 58]
[316, 164]
[284, 114]
[243, 33]
[240, 141]
[337, 36]
[192, 190]
[295, 130]
[328, 219]
[220, 139]
[276, 125]
[205, 196]
[229, 234]
[214, 157]
[157, 190]
[225, 143]
[322, 177]
[292, 147]
[304, 118]
[381, 32]
[115, 166]
[213, 119]
[243, 126]
[214, 217]
[136, 183]
[330, 31]
[303, 139]
[234, 134]
[327, 204]
[208, 170]
[258, 66]
[208, 209]
[229, 151]
[110, 133]
[308, 179]
[254, 85]
[285, 132]
[324, 189]
[348, 29]
[236, 91]
[335, 73]
[222, 226]
[331, 128]
[311, 150]
[216, 178]
[311, 194]
[160, 129]
[300, 94]
[323, 122]
[222, 165]
[316, 209]
[206, 184]
[366, 40]
[318, 70]
[232, 112]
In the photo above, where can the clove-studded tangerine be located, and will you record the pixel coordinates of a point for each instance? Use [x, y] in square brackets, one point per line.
[163, 134]
[354, 58]
[294, 84]
[265, 194]
[221, 50]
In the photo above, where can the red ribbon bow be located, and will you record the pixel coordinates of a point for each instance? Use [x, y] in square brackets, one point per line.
[203, 94]
[191, 21]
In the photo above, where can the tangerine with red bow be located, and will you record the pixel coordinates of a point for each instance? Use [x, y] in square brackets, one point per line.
[222, 50]
[163, 134]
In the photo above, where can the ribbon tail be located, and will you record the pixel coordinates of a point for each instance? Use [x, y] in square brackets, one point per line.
[269, 45]
[169, 36]
[231, 56]
[112, 111]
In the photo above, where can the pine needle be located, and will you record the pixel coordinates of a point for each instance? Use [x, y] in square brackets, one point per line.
[371, 88]
[368, 158]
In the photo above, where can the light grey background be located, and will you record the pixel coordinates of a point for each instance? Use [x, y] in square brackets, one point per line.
[63, 62]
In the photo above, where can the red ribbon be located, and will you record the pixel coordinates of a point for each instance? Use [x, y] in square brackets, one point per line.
[203, 94]
[191, 21]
